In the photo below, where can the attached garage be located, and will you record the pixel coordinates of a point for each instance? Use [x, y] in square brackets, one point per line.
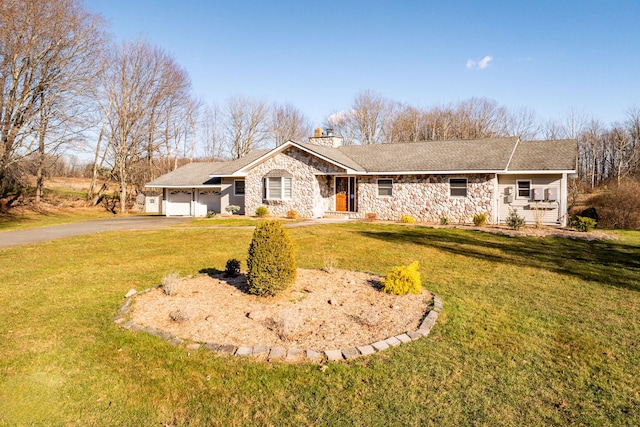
[179, 203]
[208, 200]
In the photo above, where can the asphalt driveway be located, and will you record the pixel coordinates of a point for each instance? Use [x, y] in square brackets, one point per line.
[23, 237]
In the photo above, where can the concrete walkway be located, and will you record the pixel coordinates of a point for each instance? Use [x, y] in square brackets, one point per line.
[43, 234]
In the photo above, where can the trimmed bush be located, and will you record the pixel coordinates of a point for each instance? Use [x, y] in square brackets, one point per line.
[271, 264]
[583, 223]
[590, 213]
[480, 219]
[262, 211]
[514, 221]
[292, 214]
[403, 280]
[232, 268]
[231, 209]
[406, 219]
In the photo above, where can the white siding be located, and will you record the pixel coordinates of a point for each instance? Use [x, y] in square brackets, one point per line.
[527, 207]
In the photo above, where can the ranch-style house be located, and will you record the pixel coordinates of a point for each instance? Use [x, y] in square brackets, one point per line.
[428, 180]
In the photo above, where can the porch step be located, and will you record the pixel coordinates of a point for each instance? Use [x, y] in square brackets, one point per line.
[336, 214]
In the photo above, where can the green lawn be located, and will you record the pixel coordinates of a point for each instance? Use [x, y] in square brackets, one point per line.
[533, 332]
[29, 219]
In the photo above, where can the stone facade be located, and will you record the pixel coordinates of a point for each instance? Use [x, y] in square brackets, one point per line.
[426, 198]
[312, 192]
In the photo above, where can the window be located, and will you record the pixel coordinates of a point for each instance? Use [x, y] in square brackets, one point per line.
[385, 187]
[238, 188]
[524, 189]
[277, 188]
[458, 187]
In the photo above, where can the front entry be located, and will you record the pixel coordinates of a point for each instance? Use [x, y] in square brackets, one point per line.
[345, 194]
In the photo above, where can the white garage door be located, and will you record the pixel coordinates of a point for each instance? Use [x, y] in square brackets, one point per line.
[208, 201]
[179, 203]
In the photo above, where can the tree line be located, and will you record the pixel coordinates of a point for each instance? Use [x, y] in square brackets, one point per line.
[66, 87]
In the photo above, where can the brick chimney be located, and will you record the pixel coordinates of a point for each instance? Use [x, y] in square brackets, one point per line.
[326, 138]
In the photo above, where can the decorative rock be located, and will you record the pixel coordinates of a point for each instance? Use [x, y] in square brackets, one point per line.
[135, 327]
[277, 353]
[131, 293]
[260, 349]
[404, 338]
[176, 341]
[432, 315]
[380, 345]
[128, 325]
[415, 335]
[333, 355]
[313, 356]
[366, 350]
[118, 320]
[427, 323]
[393, 341]
[227, 349]
[193, 346]
[424, 332]
[350, 353]
[294, 353]
[244, 350]
[212, 346]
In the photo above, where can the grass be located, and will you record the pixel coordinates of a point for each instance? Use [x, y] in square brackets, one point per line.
[229, 221]
[30, 219]
[534, 332]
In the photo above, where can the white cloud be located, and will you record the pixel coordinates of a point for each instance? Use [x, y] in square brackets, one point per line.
[482, 64]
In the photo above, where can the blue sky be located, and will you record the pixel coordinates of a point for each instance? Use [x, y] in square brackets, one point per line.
[551, 56]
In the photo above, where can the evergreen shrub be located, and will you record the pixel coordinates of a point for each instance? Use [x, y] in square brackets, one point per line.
[406, 219]
[480, 219]
[262, 211]
[271, 264]
[514, 221]
[403, 280]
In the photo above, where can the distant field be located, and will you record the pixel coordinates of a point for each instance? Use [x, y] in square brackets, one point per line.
[533, 332]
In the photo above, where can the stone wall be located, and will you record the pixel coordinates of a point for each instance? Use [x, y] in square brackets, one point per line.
[311, 194]
[426, 198]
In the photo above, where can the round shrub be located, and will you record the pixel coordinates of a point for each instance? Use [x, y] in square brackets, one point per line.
[262, 211]
[292, 214]
[406, 219]
[232, 268]
[403, 280]
[271, 264]
[480, 219]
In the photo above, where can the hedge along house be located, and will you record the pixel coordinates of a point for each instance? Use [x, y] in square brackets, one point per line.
[426, 180]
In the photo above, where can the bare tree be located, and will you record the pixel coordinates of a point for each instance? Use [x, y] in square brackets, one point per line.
[47, 51]
[144, 95]
[211, 133]
[288, 123]
[246, 125]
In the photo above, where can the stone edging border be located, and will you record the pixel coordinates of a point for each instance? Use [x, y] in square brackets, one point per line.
[281, 353]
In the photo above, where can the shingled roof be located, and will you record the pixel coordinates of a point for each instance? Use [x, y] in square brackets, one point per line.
[490, 154]
[200, 174]
[459, 156]
[545, 155]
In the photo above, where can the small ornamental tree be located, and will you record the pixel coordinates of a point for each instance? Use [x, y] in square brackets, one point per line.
[271, 262]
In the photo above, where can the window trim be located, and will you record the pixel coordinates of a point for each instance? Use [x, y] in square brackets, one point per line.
[466, 188]
[518, 196]
[235, 188]
[390, 187]
[283, 187]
